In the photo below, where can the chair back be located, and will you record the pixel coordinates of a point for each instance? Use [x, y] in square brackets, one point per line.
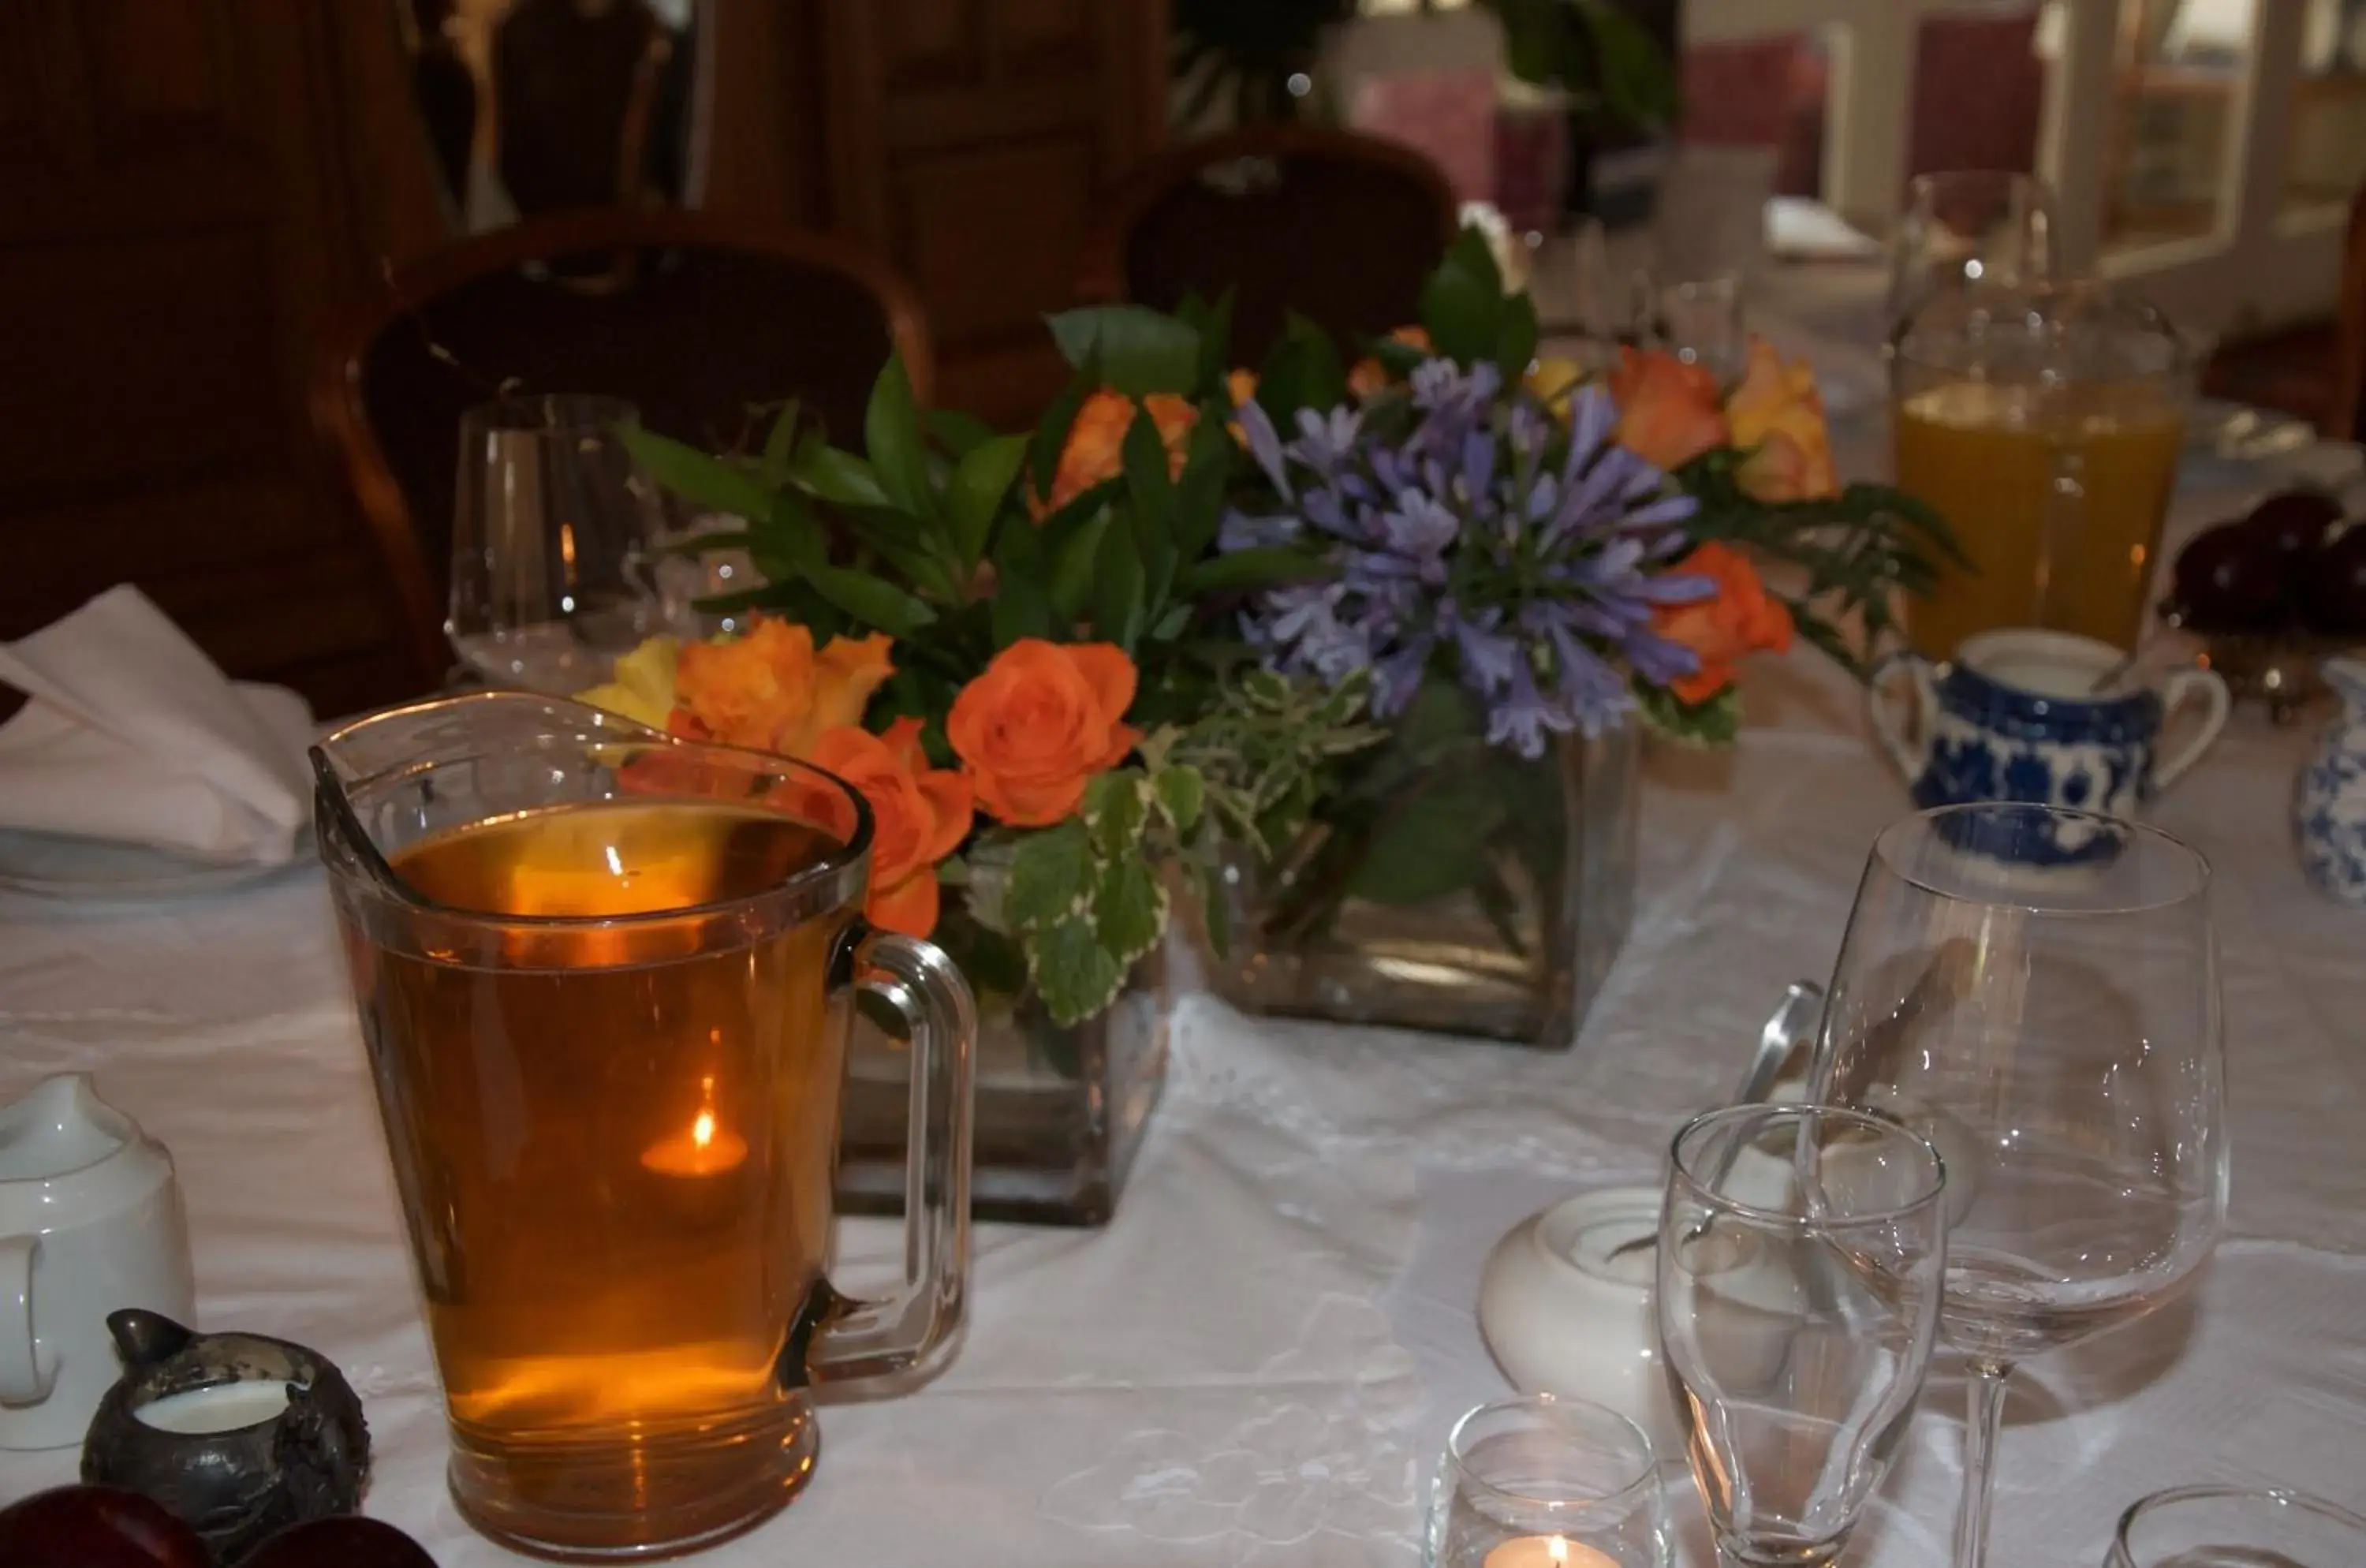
[1342, 229]
[698, 320]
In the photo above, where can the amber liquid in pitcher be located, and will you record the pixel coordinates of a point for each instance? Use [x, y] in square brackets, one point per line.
[1982, 456]
[617, 1147]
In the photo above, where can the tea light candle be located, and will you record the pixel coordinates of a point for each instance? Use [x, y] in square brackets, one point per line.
[217, 1407]
[1547, 1552]
[704, 1148]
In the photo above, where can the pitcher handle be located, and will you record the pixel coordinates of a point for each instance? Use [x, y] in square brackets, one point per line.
[2211, 687]
[904, 1333]
[22, 1379]
[1878, 711]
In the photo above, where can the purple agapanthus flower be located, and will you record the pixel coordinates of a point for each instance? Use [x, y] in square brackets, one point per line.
[1474, 534]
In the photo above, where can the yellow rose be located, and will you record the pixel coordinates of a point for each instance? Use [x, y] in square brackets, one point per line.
[1776, 410]
[1552, 381]
[770, 690]
[643, 690]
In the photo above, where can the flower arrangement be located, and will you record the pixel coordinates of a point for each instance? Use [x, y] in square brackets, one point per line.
[1202, 611]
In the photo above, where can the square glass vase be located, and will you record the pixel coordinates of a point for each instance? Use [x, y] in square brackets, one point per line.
[1061, 1109]
[1507, 935]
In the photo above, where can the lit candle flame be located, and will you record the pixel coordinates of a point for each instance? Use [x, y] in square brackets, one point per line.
[706, 1149]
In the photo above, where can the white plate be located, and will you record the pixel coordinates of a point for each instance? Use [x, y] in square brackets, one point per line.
[49, 865]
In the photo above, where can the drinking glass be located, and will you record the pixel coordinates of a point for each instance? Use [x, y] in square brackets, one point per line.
[2035, 989]
[1701, 322]
[1581, 292]
[2213, 1526]
[1548, 1482]
[1969, 226]
[554, 536]
[1801, 1251]
[604, 979]
[2045, 423]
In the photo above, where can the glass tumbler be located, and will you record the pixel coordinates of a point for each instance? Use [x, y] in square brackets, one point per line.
[1548, 1482]
[2222, 1527]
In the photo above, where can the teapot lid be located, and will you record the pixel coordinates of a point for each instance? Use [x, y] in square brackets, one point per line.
[61, 1131]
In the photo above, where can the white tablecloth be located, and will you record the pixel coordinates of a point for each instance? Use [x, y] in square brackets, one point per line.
[1255, 1362]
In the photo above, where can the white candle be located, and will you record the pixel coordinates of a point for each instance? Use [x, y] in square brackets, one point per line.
[217, 1407]
[1547, 1552]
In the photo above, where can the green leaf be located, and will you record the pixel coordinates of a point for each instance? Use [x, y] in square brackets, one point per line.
[1139, 351]
[975, 493]
[1215, 325]
[780, 444]
[1199, 493]
[1516, 345]
[1019, 611]
[1051, 876]
[891, 437]
[1117, 806]
[1462, 303]
[1215, 914]
[870, 601]
[1152, 508]
[1075, 976]
[1250, 569]
[704, 481]
[1322, 380]
[1128, 906]
[839, 478]
[1118, 588]
[1715, 722]
[1171, 625]
[1180, 790]
[958, 433]
[1431, 844]
[1074, 559]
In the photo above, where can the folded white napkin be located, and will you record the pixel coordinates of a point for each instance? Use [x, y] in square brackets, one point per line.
[131, 735]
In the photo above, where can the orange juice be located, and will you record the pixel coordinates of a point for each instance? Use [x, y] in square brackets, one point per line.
[2056, 496]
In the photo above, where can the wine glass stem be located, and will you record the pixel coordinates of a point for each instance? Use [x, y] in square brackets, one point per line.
[1982, 1425]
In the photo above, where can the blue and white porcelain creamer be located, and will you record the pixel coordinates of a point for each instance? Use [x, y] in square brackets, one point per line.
[2329, 803]
[2014, 715]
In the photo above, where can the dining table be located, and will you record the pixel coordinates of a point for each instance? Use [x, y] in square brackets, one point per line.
[1256, 1360]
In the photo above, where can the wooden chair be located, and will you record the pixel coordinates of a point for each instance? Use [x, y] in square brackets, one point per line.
[698, 318]
[1342, 229]
[2347, 420]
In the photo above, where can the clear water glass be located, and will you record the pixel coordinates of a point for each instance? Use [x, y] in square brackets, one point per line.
[1548, 1482]
[554, 544]
[1967, 226]
[1801, 1260]
[1701, 321]
[2035, 990]
[2233, 1527]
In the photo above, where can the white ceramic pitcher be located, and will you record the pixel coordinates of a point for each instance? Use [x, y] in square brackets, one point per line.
[90, 1221]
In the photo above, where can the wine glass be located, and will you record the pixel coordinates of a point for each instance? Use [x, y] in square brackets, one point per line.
[2201, 1527]
[1545, 1481]
[1969, 226]
[553, 538]
[1801, 1258]
[2036, 990]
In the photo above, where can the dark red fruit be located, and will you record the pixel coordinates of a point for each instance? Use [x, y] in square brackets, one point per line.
[2295, 523]
[2333, 590]
[96, 1527]
[346, 1540]
[2230, 580]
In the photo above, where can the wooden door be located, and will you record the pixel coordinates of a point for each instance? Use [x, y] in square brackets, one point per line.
[969, 140]
[175, 221]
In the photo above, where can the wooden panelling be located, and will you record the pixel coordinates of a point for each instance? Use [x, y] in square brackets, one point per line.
[143, 359]
[1042, 38]
[931, 44]
[158, 60]
[1032, 198]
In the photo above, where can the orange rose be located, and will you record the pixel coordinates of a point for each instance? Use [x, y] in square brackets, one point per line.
[919, 815]
[1777, 410]
[1241, 387]
[1667, 409]
[1095, 448]
[1737, 620]
[768, 689]
[1370, 377]
[1042, 719]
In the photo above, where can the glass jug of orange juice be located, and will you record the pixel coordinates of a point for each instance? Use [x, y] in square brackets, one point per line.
[2045, 422]
[604, 977]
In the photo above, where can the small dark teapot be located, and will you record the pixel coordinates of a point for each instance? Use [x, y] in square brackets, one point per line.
[238, 1435]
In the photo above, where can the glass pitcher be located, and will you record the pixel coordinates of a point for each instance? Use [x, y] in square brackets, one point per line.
[604, 979]
[2045, 423]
